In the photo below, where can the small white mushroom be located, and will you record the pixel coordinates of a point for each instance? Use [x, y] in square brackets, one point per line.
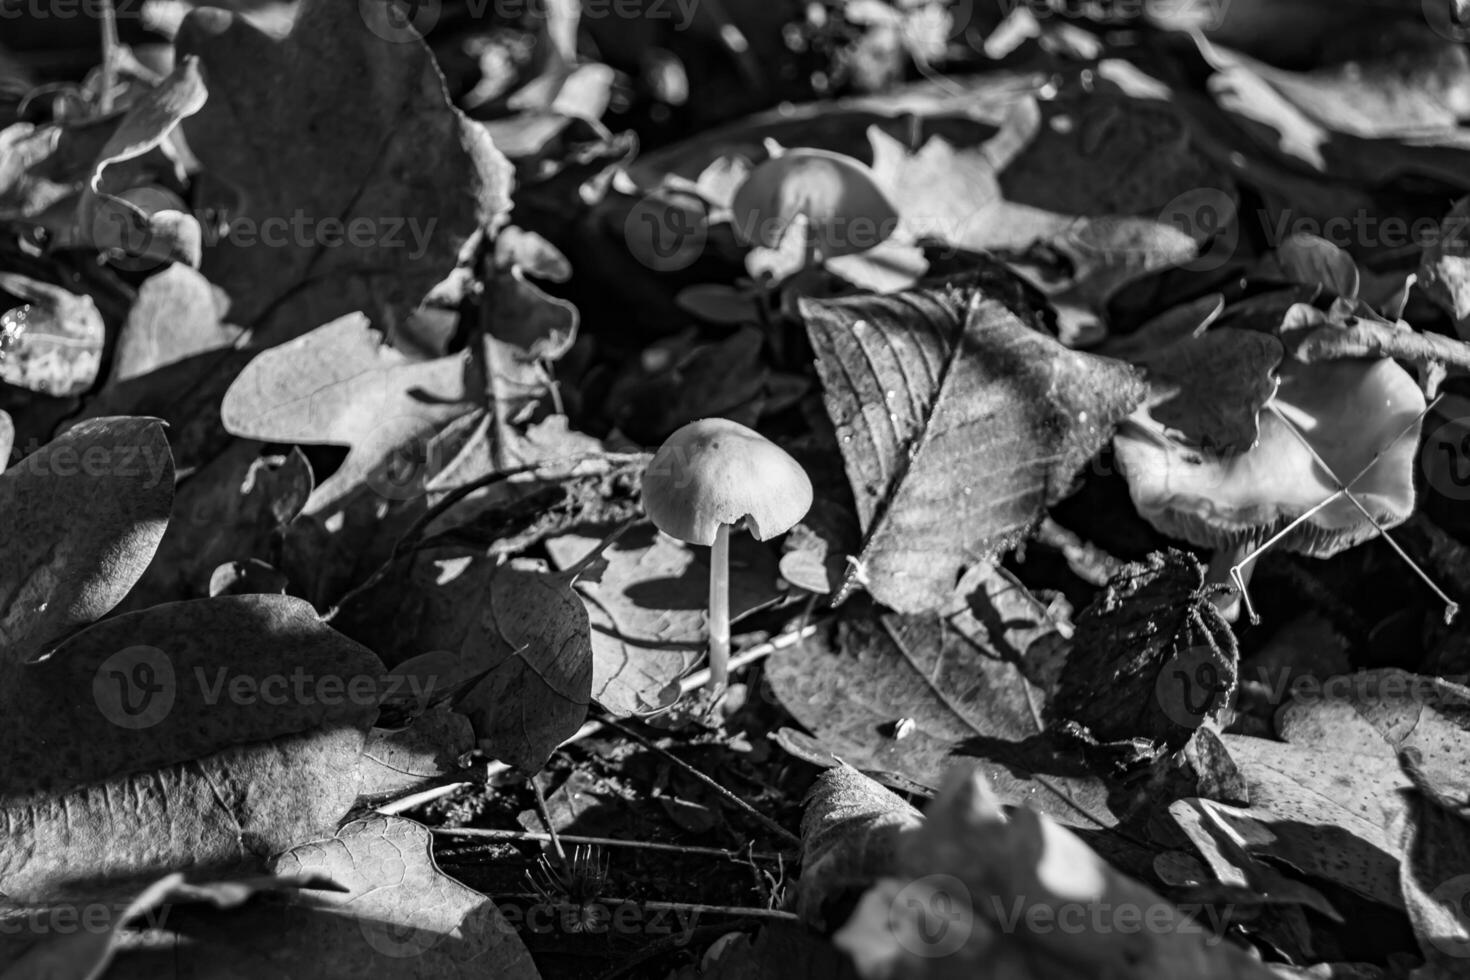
[710, 476]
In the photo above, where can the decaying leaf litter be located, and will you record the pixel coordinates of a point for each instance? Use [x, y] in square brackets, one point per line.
[1109, 363]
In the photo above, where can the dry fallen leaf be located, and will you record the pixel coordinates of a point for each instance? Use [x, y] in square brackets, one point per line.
[366, 191]
[977, 891]
[533, 638]
[85, 514]
[1152, 658]
[208, 734]
[340, 385]
[967, 682]
[959, 425]
[648, 609]
[388, 912]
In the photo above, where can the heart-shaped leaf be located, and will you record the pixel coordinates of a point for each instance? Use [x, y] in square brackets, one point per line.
[364, 192]
[230, 726]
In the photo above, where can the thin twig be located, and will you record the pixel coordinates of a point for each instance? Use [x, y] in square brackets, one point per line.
[410, 537]
[721, 791]
[695, 907]
[493, 770]
[1452, 608]
[760, 651]
[538, 837]
[585, 562]
[545, 814]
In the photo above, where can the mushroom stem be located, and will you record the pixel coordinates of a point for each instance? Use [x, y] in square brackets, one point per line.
[1222, 571]
[719, 608]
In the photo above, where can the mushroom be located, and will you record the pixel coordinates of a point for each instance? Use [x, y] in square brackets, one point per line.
[838, 195]
[1332, 466]
[712, 475]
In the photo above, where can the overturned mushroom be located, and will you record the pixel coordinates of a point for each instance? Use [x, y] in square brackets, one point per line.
[1332, 466]
[712, 475]
[838, 196]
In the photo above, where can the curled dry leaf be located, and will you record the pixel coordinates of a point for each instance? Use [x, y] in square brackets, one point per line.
[850, 832]
[1152, 658]
[1365, 338]
[978, 891]
[120, 212]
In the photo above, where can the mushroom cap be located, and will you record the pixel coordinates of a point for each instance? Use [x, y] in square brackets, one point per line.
[1351, 411]
[837, 194]
[714, 472]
